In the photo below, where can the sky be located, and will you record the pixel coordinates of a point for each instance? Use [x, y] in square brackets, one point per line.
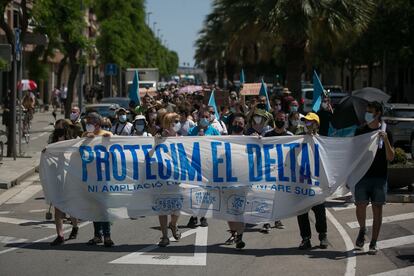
[179, 22]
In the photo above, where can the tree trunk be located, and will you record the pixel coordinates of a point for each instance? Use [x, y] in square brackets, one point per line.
[294, 68]
[61, 67]
[74, 69]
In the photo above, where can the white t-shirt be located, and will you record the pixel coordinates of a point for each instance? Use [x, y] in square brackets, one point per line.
[185, 127]
[220, 126]
[122, 129]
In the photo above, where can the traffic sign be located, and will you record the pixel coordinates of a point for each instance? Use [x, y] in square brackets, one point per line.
[111, 69]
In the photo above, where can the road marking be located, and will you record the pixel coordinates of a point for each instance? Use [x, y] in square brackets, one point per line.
[6, 240]
[5, 212]
[24, 195]
[406, 271]
[37, 210]
[40, 240]
[354, 224]
[346, 207]
[392, 242]
[349, 245]
[22, 222]
[37, 137]
[198, 259]
[13, 191]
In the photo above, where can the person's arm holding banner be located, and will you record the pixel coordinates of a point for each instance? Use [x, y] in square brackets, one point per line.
[389, 150]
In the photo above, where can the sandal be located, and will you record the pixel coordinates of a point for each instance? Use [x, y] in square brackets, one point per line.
[94, 241]
[73, 233]
[175, 232]
[232, 238]
[164, 242]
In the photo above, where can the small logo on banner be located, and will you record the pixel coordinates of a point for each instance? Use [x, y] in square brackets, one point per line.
[236, 204]
[205, 200]
[262, 207]
[168, 203]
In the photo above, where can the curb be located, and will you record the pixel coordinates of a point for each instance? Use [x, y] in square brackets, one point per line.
[9, 184]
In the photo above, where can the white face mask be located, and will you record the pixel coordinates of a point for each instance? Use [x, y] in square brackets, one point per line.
[122, 118]
[177, 126]
[257, 119]
[295, 123]
[324, 106]
[90, 128]
[74, 116]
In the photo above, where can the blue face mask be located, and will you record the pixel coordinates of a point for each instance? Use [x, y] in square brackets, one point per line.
[369, 117]
[204, 122]
[293, 108]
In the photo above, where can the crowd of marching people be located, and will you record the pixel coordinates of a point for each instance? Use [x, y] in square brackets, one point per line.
[173, 114]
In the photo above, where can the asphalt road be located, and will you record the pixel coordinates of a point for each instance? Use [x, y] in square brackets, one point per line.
[25, 236]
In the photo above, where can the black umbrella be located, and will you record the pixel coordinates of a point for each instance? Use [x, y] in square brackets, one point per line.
[350, 111]
[371, 94]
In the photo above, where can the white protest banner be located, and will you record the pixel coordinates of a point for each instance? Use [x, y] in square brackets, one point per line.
[235, 178]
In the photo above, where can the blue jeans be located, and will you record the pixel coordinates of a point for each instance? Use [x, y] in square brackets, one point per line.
[102, 228]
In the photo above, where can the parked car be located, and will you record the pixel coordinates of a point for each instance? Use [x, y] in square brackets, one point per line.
[333, 88]
[121, 101]
[400, 122]
[103, 109]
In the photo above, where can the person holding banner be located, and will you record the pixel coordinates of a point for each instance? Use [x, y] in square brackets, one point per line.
[170, 125]
[62, 132]
[122, 127]
[217, 123]
[237, 228]
[373, 185]
[203, 128]
[279, 130]
[140, 127]
[311, 128]
[259, 123]
[93, 129]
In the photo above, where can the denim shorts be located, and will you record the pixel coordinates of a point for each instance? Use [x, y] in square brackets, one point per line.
[371, 189]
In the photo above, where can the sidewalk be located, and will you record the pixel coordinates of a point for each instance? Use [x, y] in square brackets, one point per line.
[12, 172]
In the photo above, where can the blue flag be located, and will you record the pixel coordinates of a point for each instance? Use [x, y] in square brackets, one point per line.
[263, 92]
[133, 92]
[212, 102]
[317, 92]
[242, 76]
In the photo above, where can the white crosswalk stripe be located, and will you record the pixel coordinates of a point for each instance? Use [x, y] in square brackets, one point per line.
[25, 222]
[7, 240]
[406, 271]
[407, 216]
[24, 195]
[393, 242]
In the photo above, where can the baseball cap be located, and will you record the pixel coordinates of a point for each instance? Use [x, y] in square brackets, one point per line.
[139, 117]
[311, 117]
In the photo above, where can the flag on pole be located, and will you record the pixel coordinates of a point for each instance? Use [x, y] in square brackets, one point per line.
[133, 93]
[242, 76]
[212, 102]
[317, 92]
[263, 92]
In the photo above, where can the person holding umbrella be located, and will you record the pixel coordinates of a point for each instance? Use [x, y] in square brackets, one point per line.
[373, 185]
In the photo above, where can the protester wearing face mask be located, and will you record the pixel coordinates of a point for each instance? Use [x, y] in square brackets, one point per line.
[293, 106]
[106, 124]
[122, 127]
[311, 128]
[186, 121]
[203, 128]
[140, 126]
[373, 185]
[237, 228]
[259, 123]
[277, 105]
[76, 125]
[170, 125]
[167, 103]
[325, 114]
[101, 228]
[217, 124]
[62, 133]
[279, 130]
[295, 125]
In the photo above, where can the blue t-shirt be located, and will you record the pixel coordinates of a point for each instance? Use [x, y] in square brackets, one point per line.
[209, 131]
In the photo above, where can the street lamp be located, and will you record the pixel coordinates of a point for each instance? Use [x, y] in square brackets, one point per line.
[158, 33]
[153, 26]
[148, 18]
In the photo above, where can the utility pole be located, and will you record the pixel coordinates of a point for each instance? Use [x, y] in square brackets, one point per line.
[148, 18]
[153, 26]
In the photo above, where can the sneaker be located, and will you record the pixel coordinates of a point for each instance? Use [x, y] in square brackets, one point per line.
[203, 222]
[279, 224]
[360, 241]
[192, 223]
[266, 228]
[73, 233]
[230, 240]
[372, 248]
[164, 242]
[108, 242]
[94, 241]
[324, 242]
[239, 242]
[305, 244]
[58, 241]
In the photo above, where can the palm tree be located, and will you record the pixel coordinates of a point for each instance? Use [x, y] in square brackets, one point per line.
[291, 24]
